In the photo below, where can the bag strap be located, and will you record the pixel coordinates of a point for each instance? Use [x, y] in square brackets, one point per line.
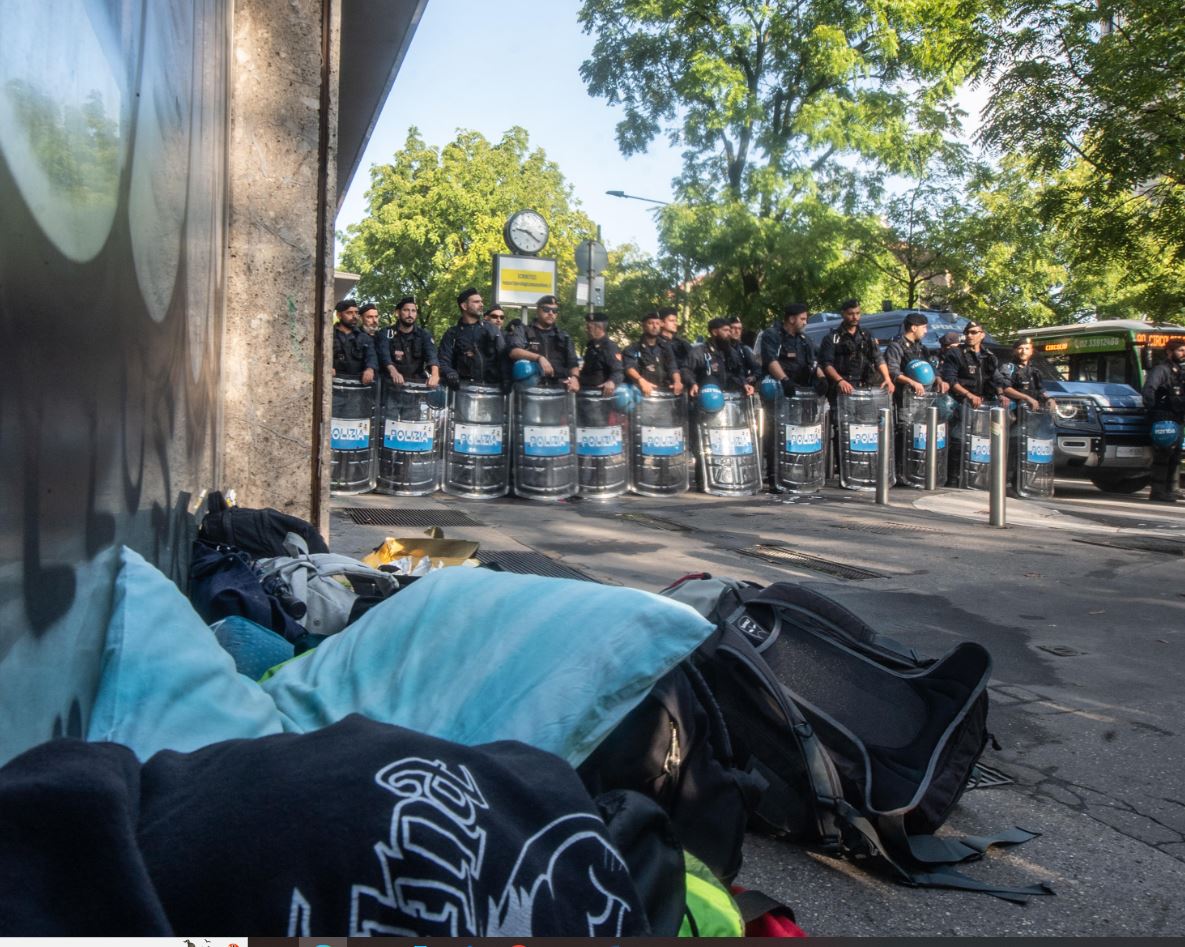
[295, 546]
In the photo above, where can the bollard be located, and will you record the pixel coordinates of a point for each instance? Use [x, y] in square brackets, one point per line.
[884, 448]
[932, 448]
[999, 469]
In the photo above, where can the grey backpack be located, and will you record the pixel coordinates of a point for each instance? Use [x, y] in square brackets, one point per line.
[331, 586]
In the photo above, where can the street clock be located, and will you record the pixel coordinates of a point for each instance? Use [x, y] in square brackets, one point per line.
[525, 232]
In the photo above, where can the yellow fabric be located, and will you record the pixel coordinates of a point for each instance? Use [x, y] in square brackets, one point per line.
[710, 903]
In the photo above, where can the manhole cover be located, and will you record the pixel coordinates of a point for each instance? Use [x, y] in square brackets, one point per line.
[985, 777]
[529, 563]
[655, 522]
[1060, 650]
[886, 529]
[374, 516]
[780, 555]
[1170, 547]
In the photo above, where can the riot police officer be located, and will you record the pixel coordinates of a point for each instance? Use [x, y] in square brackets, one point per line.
[353, 349]
[748, 356]
[549, 346]
[472, 349]
[650, 362]
[680, 346]
[721, 362]
[904, 348]
[972, 371]
[406, 350]
[1022, 381]
[850, 357]
[1164, 397]
[786, 352]
[602, 367]
[368, 322]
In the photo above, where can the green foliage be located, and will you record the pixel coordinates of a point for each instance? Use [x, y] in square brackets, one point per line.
[1090, 93]
[435, 217]
[637, 283]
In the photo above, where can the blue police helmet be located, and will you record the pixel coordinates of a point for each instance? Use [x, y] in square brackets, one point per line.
[711, 398]
[1165, 433]
[769, 388]
[920, 371]
[524, 369]
[946, 407]
[437, 397]
[625, 397]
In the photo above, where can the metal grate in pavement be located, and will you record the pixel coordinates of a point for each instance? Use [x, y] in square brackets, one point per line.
[529, 563]
[985, 777]
[375, 516]
[886, 529]
[655, 522]
[1170, 547]
[780, 555]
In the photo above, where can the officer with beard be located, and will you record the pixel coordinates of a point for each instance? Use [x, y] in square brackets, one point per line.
[472, 349]
[680, 346]
[650, 362]
[546, 344]
[788, 355]
[721, 361]
[850, 357]
[353, 349]
[406, 350]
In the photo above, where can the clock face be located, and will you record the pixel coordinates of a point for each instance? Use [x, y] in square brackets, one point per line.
[526, 232]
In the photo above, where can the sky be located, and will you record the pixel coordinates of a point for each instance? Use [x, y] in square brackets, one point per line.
[489, 66]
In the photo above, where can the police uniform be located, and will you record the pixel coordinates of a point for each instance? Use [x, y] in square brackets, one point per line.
[726, 367]
[353, 352]
[1025, 379]
[553, 344]
[855, 356]
[1164, 397]
[684, 357]
[794, 353]
[977, 372]
[471, 351]
[602, 363]
[412, 353]
[656, 363]
[898, 353]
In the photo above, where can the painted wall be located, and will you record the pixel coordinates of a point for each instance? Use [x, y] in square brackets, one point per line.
[113, 171]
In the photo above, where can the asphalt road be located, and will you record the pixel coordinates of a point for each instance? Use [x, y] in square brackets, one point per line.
[1081, 602]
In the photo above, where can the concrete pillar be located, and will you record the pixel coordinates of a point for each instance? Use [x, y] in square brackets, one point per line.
[282, 174]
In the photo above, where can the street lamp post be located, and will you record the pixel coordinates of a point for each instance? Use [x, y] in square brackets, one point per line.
[650, 200]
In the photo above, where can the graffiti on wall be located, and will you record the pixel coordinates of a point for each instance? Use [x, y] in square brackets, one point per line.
[113, 153]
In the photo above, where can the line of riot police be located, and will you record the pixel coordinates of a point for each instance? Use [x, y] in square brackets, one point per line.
[524, 413]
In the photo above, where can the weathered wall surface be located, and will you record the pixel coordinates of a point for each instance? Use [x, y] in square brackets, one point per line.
[116, 175]
[279, 269]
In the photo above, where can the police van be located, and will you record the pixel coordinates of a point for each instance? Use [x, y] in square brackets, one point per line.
[1102, 427]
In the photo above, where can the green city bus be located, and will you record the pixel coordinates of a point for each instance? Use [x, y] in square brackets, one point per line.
[1116, 350]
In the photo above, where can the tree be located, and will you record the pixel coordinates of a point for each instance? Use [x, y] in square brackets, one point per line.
[435, 217]
[782, 107]
[1091, 93]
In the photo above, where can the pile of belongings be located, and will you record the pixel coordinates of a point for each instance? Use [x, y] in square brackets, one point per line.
[468, 754]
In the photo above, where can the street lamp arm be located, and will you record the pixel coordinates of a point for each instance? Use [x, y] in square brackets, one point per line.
[635, 197]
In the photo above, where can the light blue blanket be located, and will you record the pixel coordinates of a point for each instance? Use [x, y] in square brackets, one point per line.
[467, 655]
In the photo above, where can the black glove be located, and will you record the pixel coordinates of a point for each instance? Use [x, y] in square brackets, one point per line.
[787, 387]
[453, 380]
[820, 385]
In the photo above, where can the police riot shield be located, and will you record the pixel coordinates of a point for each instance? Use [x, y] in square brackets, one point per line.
[800, 452]
[477, 443]
[729, 442]
[412, 433]
[911, 440]
[661, 462]
[602, 439]
[351, 441]
[859, 447]
[975, 446]
[1033, 453]
[544, 443]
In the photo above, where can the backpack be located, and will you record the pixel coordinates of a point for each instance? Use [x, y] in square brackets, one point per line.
[866, 746]
[336, 590]
[224, 582]
[675, 748]
[260, 533]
